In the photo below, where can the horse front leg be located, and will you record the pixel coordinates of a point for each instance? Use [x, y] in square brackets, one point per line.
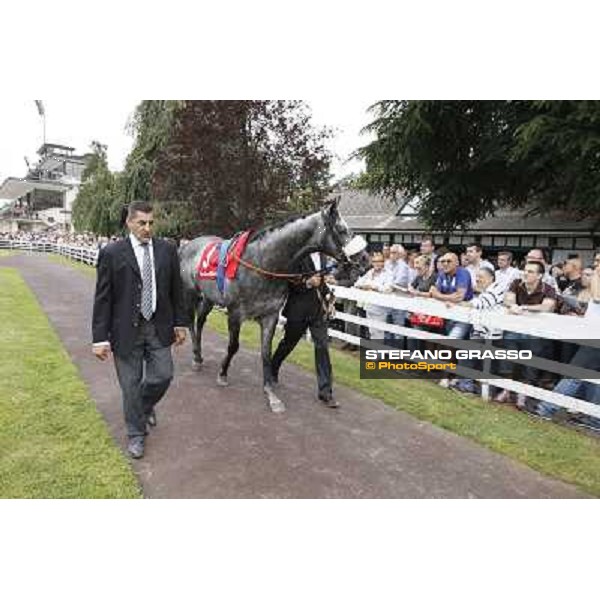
[267, 328]
[202, 311]
[234, 324]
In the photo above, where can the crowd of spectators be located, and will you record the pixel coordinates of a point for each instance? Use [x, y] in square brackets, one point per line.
[55, 236]
[570, 289]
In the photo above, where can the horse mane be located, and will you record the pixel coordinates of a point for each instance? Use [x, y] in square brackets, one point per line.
[260, 233]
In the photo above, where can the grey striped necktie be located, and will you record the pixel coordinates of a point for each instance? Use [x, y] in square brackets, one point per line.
[147, 284]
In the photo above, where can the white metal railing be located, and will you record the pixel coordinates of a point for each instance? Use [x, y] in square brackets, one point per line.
[542, 325]
[78, 253]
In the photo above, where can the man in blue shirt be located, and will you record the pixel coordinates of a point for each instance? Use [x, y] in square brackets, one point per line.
[453, 285]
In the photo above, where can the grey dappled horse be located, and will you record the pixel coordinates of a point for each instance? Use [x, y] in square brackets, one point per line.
[252, 295]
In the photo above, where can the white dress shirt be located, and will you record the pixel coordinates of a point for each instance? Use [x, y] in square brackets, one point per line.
[506, 276]
[316, 258]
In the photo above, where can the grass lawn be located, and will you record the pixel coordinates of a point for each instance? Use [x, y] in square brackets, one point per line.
[53, 442]
[558, 451]
[73, 264]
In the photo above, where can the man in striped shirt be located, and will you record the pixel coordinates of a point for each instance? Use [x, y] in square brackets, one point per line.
[490, 298]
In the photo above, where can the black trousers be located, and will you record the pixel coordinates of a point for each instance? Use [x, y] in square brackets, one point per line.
[144, 376]
[294, 330]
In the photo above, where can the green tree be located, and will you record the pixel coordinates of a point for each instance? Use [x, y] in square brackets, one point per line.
[151, 125]
[466, 159]
[96, 207]
[219, 166]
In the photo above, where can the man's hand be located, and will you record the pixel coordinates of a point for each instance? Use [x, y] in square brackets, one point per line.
[330, 279]
[101, 352]
[180, 333]
[314, 281]
[515, 309]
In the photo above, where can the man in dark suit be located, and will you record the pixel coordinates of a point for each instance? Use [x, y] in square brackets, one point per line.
[138, 314]
[304, 310]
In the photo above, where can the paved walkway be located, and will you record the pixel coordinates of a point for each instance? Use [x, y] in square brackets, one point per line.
[214, 442]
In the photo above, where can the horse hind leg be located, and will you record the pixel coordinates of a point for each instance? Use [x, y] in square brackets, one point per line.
[234, 325]
[202, 311]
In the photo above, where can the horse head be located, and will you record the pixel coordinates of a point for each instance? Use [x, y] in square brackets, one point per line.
[337, 239]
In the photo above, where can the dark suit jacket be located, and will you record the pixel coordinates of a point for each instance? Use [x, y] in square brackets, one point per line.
[303, 303]
[119, 295]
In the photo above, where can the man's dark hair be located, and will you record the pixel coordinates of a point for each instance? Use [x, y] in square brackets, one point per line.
[506, 253]
[538, 265]
[138, 206]
[545, 253]
[478, 246]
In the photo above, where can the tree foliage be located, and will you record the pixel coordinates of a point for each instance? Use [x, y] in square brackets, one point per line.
[467, 159]
[220, 166]
[151, 125]
[97, 207]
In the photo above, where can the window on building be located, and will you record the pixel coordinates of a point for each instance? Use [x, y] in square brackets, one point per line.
[527, 241]
[565, 242]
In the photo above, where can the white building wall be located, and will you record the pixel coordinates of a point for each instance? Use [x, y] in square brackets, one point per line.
[70, 196]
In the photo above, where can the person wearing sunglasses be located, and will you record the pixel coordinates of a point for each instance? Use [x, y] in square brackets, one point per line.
[453, 285]
[527, 295]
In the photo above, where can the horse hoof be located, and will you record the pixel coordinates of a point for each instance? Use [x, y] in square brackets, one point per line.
[277, 406]
[222, 381]
[197, 366]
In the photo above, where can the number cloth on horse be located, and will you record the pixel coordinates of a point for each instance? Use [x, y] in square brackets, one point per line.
[219, 260]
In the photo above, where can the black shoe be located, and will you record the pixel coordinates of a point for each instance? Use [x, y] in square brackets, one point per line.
[329, 401]
[136, 447]
[151, 419]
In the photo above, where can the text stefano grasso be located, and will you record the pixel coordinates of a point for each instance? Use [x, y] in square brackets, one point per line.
[476, 354]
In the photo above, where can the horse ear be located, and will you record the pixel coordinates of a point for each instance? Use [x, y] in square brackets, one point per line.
[332, 208]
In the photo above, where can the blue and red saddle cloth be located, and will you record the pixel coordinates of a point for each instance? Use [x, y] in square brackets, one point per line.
[219, 259]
